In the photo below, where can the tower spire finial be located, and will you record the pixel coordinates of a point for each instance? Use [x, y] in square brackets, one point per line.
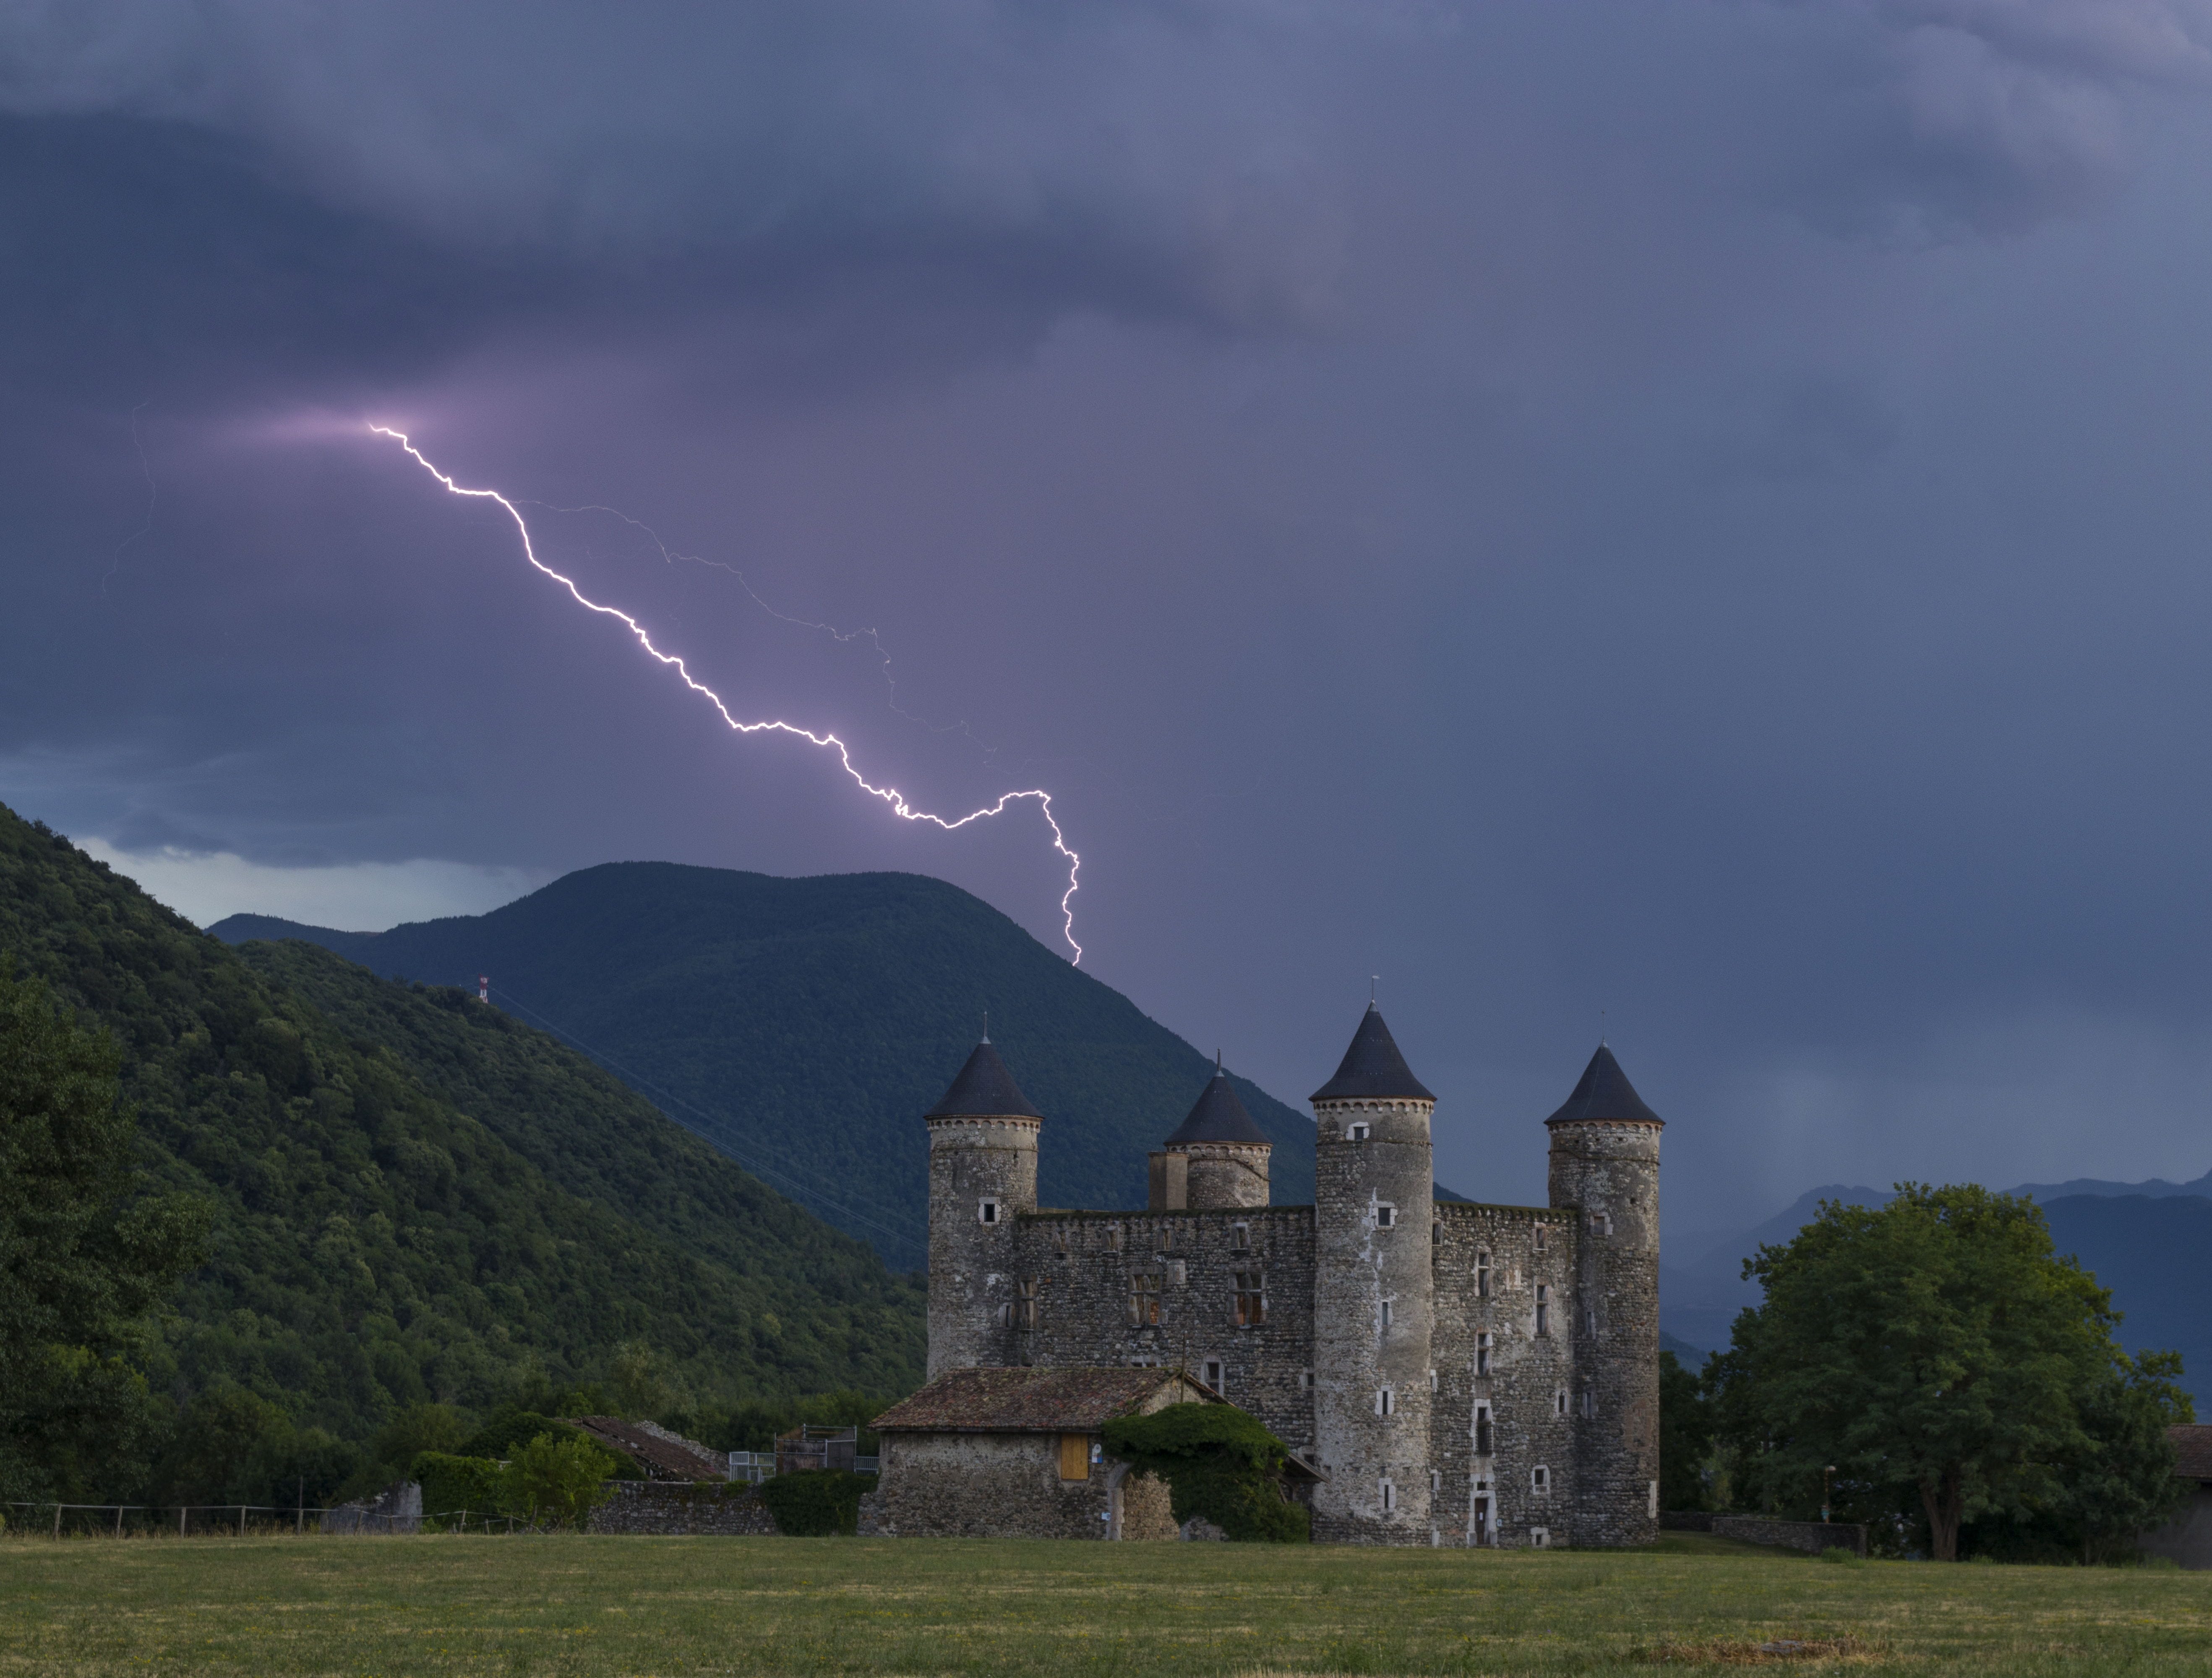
[1374, 982]
[986, 1025]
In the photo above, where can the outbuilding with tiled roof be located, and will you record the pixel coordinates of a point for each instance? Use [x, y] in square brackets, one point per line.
[1020, 1453]
[2187, 1538]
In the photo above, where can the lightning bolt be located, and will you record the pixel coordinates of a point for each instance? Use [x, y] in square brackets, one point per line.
[890, 795]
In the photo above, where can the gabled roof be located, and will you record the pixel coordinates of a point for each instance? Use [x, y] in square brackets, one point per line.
[1074, 1400]
[1219, 1117]
[662, 1455]
[1373, 1068]
[984, 1089]
[1605, 1093]
[2192, 1442]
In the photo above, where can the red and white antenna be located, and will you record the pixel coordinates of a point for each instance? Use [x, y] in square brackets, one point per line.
[483, 988]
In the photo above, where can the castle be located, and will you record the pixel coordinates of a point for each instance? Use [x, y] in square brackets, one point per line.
[1460, 1374]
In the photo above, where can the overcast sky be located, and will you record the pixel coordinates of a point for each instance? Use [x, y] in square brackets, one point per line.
[1688, 516]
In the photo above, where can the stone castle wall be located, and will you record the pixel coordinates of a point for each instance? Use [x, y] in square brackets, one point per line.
[666, 1509]
[1083, 1264]
[1489, 1266]
[1008, 1485]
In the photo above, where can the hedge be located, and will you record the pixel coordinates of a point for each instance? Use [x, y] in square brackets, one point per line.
[816, 1502]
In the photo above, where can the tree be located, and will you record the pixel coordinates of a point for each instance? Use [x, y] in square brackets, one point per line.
[1219, 1462]
[83, 1253]
[1938, 1355]
[1685, 1437]
[557, 1482]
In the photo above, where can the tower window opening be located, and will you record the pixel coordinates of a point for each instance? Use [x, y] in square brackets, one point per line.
[1482, 1275]
[1435, 1479]
[1540, 1538]
[1484, 1444]
[1560, 1402]
[1025, 1311]
[1386, 1313]
[1589, 1403]
[1390, 1497]
[1167, 1239]
[1539, 1479]
[1305, 1380]
[1213, 1374]
[1482, 1350]
[1542, 1230]
[1385, 1214]
[1060, 1240]
[1114, 1237]
[1251, 1300]
[1357, 1132]
[1432, 1381]
[1145, 1300]
[1385, 1403]
[1590, 1321]
[1240, 1237]
[1543, 1308]
[987, 1211]
[1437, 1234]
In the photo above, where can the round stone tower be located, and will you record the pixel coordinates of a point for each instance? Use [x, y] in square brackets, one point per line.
[1374, 1294]
[1604, 1165]
[983, 1171]
[1227, 1153]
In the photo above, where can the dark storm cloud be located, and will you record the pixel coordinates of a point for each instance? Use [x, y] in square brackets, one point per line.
[1691, 511]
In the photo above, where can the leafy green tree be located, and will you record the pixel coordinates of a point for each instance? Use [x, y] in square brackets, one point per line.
[1938, 1355]
[557, 1482]
[233, 1446]
[83, 1253]
[1685, 1437]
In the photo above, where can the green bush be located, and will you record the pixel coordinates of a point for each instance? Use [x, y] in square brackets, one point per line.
[557, 1482]
[817, 1503]
[452, 1484]
[1219, 1462]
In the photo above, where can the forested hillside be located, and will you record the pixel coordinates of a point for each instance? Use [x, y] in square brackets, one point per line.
[418, 1200]
[804, 1025]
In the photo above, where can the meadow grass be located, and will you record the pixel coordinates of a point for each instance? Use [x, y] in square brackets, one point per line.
[591, 1605]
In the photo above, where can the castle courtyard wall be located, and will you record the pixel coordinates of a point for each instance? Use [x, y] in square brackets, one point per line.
[968, 1485]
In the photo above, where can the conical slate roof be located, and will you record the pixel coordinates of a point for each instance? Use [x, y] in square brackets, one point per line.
[1605, 1093]
[1372, 1068]
[1219, 1117]
[984, 1089]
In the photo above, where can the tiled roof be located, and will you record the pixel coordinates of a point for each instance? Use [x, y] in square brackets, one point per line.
[1372, 1068]
[662, 1455]
[984, 1089]
[1219, 1117]
[1031, 1401]
[1605, 1093]
[2193, 1441]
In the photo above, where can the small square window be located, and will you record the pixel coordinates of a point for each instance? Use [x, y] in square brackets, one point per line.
[1357, 1132]
[1540, 1479]
[1385, 1215]
[1240, 1237]
[987, 1211]
[1540, 1538]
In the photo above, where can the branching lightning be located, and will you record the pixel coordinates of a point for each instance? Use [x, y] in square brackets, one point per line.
[889, 795]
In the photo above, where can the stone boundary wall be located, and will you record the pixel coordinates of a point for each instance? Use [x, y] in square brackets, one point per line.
[1685, 1520]
[1808, 1535]
[666, 1509]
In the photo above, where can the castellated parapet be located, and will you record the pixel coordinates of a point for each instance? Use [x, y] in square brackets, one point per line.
[1463, 1374]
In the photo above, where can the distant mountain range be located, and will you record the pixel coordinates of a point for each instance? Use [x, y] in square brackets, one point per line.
[803, 1026]
[2147, 1242]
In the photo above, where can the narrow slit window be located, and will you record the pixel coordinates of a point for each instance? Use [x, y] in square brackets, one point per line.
[1482, 1275]
[1589, 1403]
[1025, 1307]
[1482, 1350]
[1386, 1313]
[1543, 1308]
[1483, 1441]
[1560, 1402]
[1542, 1230]
[1240, 1237]
[987, 1211]
[1213, 1378]
[1385, 1403]
[1390, 1497]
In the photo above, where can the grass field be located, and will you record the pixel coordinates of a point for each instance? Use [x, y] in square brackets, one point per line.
[591, 1606]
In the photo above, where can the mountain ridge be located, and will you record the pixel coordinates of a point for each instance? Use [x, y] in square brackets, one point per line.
[831, 1008]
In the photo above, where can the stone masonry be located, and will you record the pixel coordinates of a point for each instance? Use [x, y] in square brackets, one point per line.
[1463, 1374]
